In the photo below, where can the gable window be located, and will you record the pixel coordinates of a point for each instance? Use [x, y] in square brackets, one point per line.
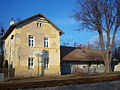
[40, 24]
[46, 42]
[31, 40]
[30, 63]
[12, 36]
[46, 63]
[37, 24]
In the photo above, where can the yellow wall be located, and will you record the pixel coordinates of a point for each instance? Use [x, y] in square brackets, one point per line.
[17, 50]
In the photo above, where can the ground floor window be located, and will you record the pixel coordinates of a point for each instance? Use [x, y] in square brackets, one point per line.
[46, 63]
[30, 63]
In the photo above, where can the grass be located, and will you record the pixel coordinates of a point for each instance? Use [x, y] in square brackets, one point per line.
[71, 79]
[63, 77]
[104, 74]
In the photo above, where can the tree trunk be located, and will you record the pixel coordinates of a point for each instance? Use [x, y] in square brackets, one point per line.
[108, 66]
[107, 61]
[106, 54]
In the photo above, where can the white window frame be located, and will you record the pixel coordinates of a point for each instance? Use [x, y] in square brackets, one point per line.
[46, 42]
[31, 40]
[46, 63]
[30, 63]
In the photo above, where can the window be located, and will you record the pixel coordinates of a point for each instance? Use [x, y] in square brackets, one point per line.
[46, 42]
[12, 36]
[31, 40]
[30, 63]
[39, 24]
[46, 62]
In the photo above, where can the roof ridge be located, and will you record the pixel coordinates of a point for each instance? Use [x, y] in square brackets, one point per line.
[12, 27]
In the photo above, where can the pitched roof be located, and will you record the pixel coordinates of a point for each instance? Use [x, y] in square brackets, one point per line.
[12, 27]
[80, 54]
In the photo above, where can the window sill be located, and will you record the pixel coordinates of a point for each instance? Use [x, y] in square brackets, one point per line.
[30, 69]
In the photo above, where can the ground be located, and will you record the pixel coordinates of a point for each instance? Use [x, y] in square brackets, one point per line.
[72, 79]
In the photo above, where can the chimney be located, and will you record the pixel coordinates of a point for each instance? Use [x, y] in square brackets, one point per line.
[12, 21]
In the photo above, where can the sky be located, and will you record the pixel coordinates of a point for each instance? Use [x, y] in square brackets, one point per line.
[58, 11]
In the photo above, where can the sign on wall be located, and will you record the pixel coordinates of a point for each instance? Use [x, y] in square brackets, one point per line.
[38, 52]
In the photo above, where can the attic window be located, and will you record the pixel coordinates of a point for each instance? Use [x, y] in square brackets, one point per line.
[40, 24]
[12, 36]
[37, 24]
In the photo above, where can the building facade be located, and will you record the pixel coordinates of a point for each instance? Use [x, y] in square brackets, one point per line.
[32, 47]
[81, 60]
[84, 60]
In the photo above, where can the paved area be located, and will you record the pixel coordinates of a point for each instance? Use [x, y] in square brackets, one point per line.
[113, 85]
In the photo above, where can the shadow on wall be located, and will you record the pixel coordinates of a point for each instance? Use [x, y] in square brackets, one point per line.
[8, 72]
[5, 64]
[1, 63]
[65, 51]
[115, 66]
[65, 69]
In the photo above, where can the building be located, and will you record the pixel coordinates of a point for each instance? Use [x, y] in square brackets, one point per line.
[32, 47]
[81, 60]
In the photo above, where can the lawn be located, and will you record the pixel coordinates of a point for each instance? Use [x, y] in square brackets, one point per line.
[71, 79]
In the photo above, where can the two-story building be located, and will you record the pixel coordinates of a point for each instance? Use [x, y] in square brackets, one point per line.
[32, 47]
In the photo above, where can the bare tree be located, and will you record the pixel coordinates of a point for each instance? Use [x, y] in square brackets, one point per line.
[116, 53]
[18, 19]
[1, 47]
[102, 16]
[78, 45]
[94, 45]
[67, 42]
[97, 44]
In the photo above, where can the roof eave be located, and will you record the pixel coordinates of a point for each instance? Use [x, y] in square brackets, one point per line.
[12, 27]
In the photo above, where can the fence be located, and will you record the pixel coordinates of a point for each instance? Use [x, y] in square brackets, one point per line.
[8, 72]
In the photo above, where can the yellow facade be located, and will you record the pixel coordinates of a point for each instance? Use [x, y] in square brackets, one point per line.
[17, 51]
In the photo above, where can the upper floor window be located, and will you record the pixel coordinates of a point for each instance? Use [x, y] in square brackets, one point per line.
[46, 42]
[39, 24]
[12, 36]
[31, 40]
[30, 63]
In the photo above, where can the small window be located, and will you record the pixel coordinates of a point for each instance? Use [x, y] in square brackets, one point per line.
[12, 36]
[31, 40]
[46, 43]
[46, 62]
[37, 24]
[30, 63]
[40, 24]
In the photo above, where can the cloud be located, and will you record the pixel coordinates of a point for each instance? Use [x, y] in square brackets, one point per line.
[117, 39]
[96, 38]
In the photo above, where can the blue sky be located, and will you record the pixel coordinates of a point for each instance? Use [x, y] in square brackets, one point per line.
[58, 11]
